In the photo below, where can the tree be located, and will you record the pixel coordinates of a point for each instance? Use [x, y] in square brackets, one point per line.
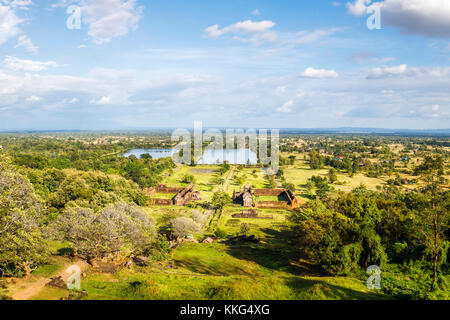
[244, 229]
[292, 160]
[199, 217]
[184, 226]
[146, 156]
[289, 186]
[22, 242]
[220, 199]
[435, 210]
[239, 180]
[188, 178]
[432, 165]
[118, 227]
[332, 176]
[315, 160]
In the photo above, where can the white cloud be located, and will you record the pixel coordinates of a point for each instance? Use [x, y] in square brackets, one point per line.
[303, 37]
[430, 17]
[9, 23]
[255, 32]
[319, 73]
[405, 71]
[25, 41]
[336, 4]
[17, 64]
[256, 12]
[107, 19]
[101, 101]
[33, 99]
[70, 101]
[286, 107]
[384, 72]
[262, 32]
[18, 4]
[359, 7]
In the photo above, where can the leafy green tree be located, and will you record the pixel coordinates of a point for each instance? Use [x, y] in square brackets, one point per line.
[22, 242]
[220, 199]
[188, 178]
[244, 229]
[289, 186]
[435, 212]
[332, 175]
[117, 228]
[184, 226]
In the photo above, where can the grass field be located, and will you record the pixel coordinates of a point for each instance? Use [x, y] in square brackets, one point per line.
[204, 175]
[219, 271]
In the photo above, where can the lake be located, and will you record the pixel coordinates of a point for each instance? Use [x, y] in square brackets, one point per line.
[155, 153]
[237, 156]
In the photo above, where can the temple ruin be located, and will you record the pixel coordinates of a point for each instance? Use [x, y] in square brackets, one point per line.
[246, 198]
[182, 197]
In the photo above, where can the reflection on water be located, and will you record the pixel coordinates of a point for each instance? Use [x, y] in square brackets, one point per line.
[238, 156]
[155, 153]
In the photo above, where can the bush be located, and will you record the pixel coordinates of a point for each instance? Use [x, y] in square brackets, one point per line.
[221, 234]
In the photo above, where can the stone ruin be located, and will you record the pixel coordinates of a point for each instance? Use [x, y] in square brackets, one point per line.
[251, 214]
[291, 202]
[183, 195]
[245, 198]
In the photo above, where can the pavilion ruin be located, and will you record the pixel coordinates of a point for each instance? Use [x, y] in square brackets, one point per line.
[182, 197]
[246, 198]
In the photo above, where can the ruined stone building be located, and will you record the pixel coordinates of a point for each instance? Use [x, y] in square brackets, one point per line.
[288, 200]
[245, 197]
[183, 195]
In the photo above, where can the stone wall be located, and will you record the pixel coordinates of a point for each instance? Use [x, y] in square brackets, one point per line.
[268, 192]
[273, 205]
[290, 203]
[161, 202]
[183, 196]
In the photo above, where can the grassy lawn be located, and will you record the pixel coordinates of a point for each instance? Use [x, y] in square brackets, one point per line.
[219, 271]
[356, 181]
[204, 175]
[252, 176]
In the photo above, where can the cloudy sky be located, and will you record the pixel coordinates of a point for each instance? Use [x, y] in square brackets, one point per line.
[130, 64]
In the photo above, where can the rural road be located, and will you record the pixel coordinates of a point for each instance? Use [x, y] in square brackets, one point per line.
[25, 291]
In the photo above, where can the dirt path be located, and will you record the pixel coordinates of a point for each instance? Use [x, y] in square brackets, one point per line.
[228, 178]
[24, 290]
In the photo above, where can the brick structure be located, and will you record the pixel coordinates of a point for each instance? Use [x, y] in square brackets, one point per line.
[291, 202]
[184, 195]
[251, 214]
[245, 197]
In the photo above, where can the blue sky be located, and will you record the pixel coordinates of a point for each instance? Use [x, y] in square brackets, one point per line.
[137, 64]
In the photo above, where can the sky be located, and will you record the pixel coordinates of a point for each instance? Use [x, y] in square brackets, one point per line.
[135, 64]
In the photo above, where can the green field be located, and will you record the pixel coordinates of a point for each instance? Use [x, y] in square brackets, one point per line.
[219, 271]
